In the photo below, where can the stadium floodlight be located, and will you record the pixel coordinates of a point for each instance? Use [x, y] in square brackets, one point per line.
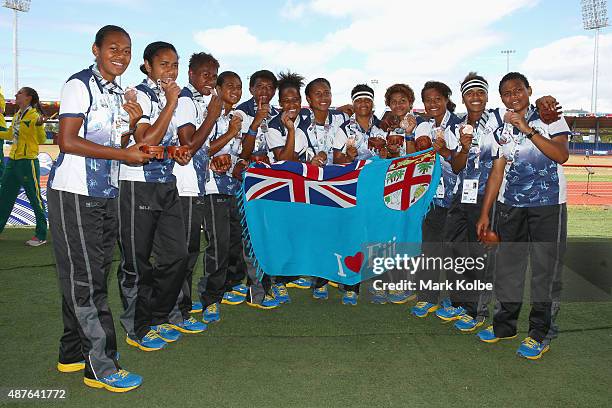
[594, 17]
[508, 52]
[17, 6]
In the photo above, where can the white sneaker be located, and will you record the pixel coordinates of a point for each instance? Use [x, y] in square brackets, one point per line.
[34, 242]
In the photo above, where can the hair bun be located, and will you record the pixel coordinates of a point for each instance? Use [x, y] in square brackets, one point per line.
[143, 70]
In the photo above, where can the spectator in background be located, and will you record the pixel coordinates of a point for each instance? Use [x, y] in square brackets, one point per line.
[23, 170]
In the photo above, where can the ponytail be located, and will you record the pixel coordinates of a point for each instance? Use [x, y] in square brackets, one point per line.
[35, 102]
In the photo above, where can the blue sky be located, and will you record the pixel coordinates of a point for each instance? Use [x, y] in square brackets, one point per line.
[348, 42]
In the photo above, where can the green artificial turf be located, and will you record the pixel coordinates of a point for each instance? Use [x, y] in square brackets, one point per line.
[309, 353]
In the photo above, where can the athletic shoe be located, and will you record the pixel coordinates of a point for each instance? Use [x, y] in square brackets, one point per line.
[150, 342]
[467, 323]
[488, 336]
[190, 326]
[422, 309]
[211, 314]
[446, 302]
[280, 293]
[196, 307]
[349, 298]
[70, 367]
[34, 242]
[230, 298]
[320, 293]
[300, 283]
[333, 284]
[450, 313]
[400, 296]
[166, 332]
[378, 297]
[269, 302]
[121, 381]
[240, 289]
[532, 349]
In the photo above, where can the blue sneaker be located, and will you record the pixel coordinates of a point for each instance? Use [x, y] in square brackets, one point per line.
[269, 302]
[532, 349]
[446, 302]
[280, 293]
[350, 298]
[121, 381]
[422, 309]
[300, 283]
[467, 323]
[150, 342]
[196, 307]
[488, 336]
[230, 298]
[400, 297]
[190, 326]
[166, 332]
[320, 293]
[211, 314]
[378, 297]
[240, 289]
[450, 313]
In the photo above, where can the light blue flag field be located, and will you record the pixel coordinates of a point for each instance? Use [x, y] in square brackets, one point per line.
[303, 220]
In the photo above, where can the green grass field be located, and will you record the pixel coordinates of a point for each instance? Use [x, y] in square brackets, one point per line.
[310, 353]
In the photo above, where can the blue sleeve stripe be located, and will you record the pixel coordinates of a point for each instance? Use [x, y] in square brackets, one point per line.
[72, 115]
[185, 124]
[564, 133]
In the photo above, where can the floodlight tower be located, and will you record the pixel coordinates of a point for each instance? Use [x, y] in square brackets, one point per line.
[17, 6]
[594, 17]
[508, 52]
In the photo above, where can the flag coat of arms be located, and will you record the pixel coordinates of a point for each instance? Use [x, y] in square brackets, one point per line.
[305, 220]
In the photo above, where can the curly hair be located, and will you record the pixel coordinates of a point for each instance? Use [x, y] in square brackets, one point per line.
[401, 88]
[289, 80]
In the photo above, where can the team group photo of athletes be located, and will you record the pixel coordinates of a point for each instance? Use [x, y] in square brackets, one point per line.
[156, 168]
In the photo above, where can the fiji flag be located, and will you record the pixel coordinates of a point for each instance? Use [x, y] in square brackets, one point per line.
[311, 221]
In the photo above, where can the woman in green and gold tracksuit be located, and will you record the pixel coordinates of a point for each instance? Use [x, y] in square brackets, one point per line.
[22, 170]
[2, 129]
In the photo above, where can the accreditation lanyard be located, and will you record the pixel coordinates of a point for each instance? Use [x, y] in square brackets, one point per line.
[357, 133]
[260, 139]
[513, 136]
[320, 144]
[17, 124]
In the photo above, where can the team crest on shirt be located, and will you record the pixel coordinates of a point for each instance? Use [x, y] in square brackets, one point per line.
[407, 180]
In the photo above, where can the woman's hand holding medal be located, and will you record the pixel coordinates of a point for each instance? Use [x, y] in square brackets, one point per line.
[465, 137]
[408, 123]
[517, 120]
[439, 144]
[235, 125]
[171, 90]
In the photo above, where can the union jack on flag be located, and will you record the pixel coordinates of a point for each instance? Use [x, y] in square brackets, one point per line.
[331, 186]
